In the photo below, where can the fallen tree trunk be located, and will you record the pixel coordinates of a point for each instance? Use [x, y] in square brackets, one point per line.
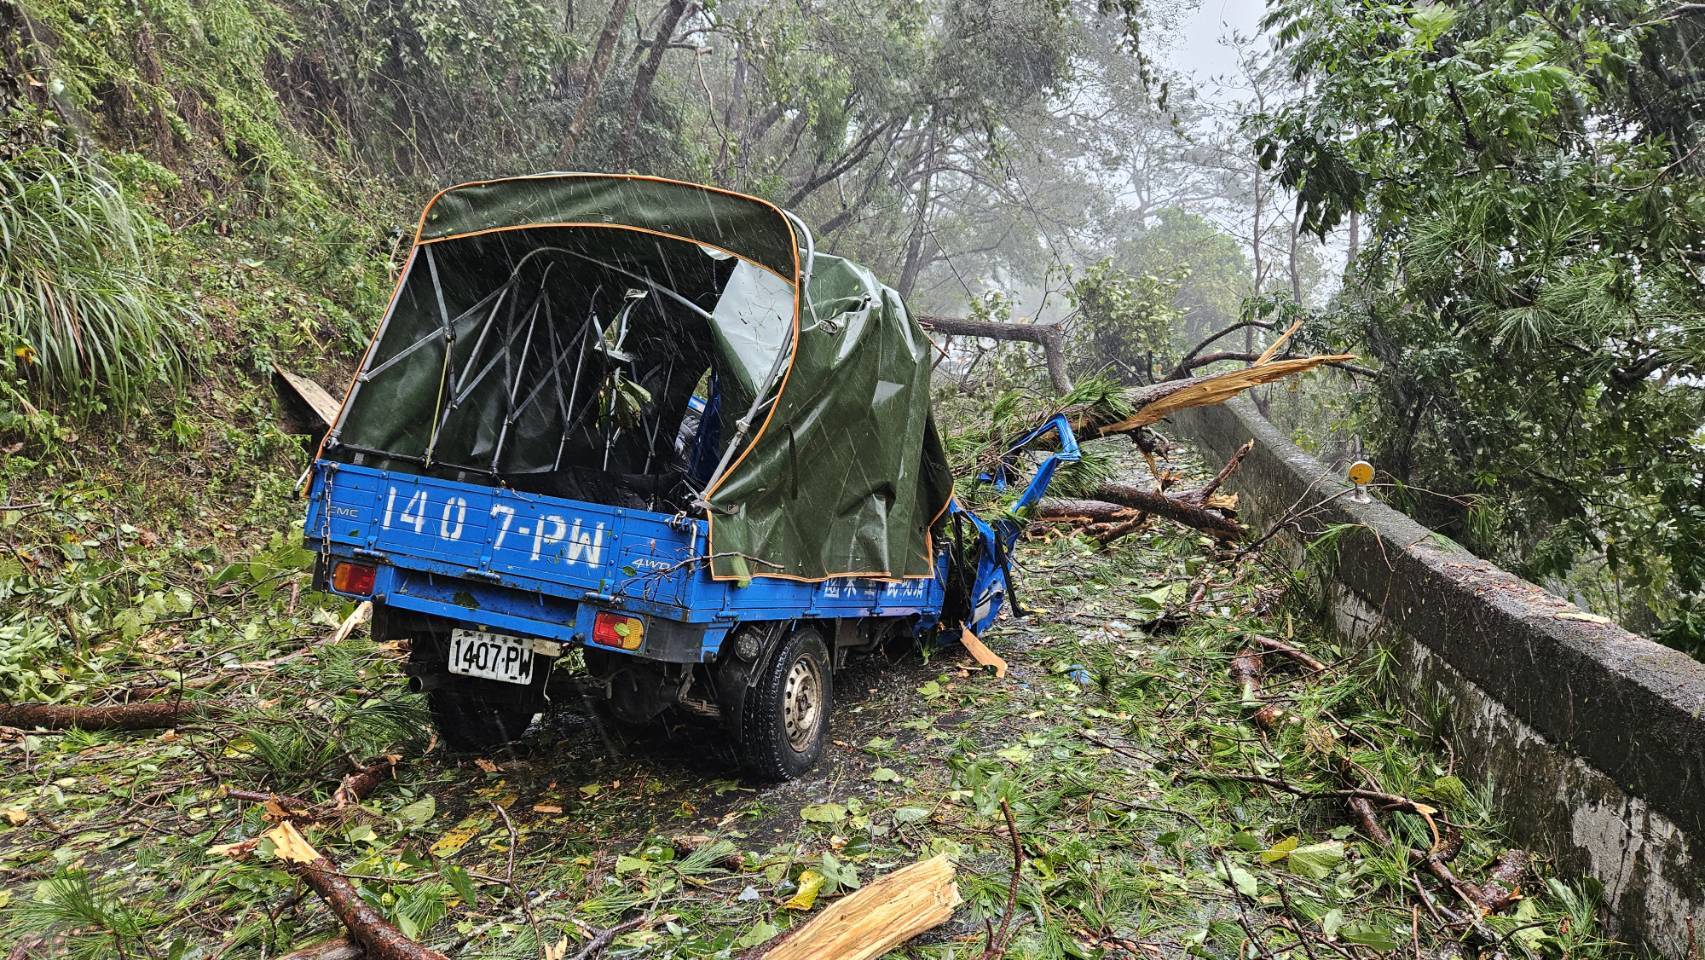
[876, 919]
[1193, 508]
[119, 716]
[1051, 337]
[1121, 503]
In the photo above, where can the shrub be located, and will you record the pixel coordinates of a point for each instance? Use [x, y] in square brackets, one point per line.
[83, 315]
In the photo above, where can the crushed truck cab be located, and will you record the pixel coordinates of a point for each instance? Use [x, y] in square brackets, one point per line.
[646, 425]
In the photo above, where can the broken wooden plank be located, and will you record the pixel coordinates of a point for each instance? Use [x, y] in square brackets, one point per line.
[867, 924]
[312, 396]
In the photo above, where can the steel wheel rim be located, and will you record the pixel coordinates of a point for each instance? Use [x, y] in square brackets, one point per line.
[802, 703]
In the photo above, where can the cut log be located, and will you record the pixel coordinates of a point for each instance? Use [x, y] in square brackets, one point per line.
[874, 920]
[121, 716]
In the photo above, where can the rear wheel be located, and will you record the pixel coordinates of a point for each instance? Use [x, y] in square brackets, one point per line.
[785, 718]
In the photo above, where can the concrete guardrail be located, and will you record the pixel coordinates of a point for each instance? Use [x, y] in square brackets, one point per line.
[1592, 738]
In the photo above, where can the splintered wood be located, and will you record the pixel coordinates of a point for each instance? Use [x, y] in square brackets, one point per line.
[878, 918]
[981, 653]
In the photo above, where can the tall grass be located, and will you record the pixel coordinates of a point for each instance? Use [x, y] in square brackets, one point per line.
[83, 314]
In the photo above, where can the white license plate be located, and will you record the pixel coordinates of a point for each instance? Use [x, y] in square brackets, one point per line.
[494, 656]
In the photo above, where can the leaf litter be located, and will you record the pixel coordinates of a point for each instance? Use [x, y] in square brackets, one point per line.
[1139, 786]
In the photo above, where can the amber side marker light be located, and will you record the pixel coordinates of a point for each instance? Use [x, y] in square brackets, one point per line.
[353, 578]
[617, 630]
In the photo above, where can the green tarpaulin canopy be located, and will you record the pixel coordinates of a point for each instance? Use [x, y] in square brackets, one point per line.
[551, 333]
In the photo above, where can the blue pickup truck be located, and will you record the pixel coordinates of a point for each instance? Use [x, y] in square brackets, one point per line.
[646, 423]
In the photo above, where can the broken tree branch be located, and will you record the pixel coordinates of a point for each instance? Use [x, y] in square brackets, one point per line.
[377, 937]
[1286, 650]
[1154, 403]
[351, 790]
[119, 716]
[359, 783]
[1051, 337]
[1192, 508]
[602, 940]
[998, 942]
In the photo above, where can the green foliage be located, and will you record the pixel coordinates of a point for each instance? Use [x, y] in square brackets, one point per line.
[1125, 323]
[446, 87]
[101, 921]
[1532, 290]
[84, 314]
[1206, 265]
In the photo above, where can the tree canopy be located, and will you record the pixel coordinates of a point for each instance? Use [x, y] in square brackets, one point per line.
[1532, 287]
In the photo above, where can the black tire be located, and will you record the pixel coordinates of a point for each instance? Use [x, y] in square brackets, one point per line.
[776, 744]
[470, 725]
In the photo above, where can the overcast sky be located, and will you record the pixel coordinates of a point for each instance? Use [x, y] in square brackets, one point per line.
[1194, 47]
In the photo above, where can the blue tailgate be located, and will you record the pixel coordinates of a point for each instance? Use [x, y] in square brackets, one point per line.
[522, 561]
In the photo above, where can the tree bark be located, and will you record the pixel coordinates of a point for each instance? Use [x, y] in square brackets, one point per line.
[1051, 337]
[647, 75]
[124, 716]
[1355, 227]
[367, 927]
[1189, 507]
[1119, 503]
[600, 65]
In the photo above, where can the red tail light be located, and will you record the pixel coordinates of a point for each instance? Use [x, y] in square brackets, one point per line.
[353, 578]
[617, 630]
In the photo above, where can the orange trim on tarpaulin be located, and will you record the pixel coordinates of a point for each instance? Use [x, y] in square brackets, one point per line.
[763, 429]
[420, 226]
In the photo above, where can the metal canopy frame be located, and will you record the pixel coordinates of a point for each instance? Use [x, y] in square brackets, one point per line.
[511, 316]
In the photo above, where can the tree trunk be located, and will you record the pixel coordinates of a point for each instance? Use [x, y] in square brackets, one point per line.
[601, 57]
[1296, 278]
[736, 110]
[672, 15]
[124, 716]
[1049, 336]
[915, 243]
[1355, 226]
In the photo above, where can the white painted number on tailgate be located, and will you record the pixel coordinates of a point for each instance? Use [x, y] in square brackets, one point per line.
[552, 536]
